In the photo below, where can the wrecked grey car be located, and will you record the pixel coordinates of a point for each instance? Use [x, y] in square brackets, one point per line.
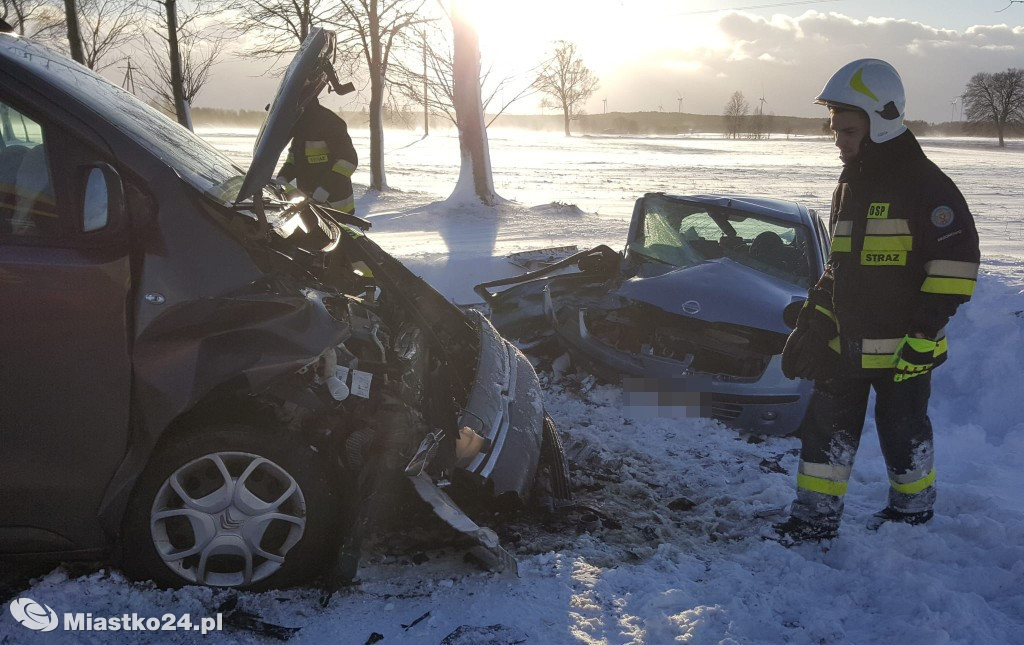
[213, 383]
[691, 317]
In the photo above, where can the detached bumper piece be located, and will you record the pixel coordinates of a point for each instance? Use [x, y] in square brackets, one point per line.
[499, 445]
[489, 550]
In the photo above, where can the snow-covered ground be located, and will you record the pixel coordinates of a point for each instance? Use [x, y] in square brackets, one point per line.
[678, 556]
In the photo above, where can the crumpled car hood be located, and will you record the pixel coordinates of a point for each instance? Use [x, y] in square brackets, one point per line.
[718, 290]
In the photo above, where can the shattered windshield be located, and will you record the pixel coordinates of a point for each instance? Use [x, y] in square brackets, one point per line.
[684, 234]
[196, 161]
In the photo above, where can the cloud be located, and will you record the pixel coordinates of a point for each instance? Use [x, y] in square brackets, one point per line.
[793, 57]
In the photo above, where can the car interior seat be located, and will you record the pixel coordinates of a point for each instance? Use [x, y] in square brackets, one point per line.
[731, 243]
[34, 212]
[769, 248]
[10, 160]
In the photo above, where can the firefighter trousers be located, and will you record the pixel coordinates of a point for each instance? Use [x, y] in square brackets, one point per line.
[830, 435]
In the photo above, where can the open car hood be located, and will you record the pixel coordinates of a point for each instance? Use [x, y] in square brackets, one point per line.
[718, 290]
[305, 78]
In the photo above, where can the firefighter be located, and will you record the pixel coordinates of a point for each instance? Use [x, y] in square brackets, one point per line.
[904, 257]
[322, 158]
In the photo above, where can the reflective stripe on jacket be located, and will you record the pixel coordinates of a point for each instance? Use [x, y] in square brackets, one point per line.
[322, 158]
[904, 252]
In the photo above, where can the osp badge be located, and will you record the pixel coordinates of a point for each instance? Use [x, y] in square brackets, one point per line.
[942, 216]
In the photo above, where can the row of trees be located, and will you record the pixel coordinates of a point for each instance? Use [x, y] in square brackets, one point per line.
[379, 40]
[993, 101]
[176, 52]
[737, 121]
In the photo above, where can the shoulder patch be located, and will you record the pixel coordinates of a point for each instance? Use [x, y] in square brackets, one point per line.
[942, 216]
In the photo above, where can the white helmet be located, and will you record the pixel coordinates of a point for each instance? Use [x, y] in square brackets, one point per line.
[874, 87]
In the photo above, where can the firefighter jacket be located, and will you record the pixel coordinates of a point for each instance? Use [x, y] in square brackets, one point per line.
[322, 158]
[904, 253]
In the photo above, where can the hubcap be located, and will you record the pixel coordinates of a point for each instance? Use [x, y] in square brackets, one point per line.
[227, 519]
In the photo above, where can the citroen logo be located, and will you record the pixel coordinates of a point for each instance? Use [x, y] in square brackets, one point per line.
[228, 522]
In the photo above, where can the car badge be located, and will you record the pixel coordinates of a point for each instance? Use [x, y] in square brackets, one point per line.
[691, 307]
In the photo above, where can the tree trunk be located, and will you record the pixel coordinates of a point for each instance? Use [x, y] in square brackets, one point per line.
[177, 80]
[378, 181]
[473, 145]
[74, 34]
[426, 105]
[565, 115]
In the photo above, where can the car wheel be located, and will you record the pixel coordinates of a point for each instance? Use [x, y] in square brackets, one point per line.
[232, 507]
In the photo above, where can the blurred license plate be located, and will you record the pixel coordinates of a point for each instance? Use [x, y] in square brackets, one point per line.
[662, 398]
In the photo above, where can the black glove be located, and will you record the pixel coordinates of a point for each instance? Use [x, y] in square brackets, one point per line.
[812, 349]
[791, 353]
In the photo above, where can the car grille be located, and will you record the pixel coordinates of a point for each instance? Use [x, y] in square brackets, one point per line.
[729, 407]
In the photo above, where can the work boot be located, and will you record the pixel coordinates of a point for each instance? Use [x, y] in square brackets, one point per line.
[890, 514]
[797, 531]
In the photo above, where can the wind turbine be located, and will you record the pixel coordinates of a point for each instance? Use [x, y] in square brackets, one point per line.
[680, 99]
[763, 100]
[952, 108]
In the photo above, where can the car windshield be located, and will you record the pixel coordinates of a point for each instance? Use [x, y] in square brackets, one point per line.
[196, 161]
[684, 234]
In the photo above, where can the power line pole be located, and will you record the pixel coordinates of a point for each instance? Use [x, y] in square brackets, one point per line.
[128, 84]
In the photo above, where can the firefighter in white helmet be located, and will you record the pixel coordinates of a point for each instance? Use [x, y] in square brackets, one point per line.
[904, 257]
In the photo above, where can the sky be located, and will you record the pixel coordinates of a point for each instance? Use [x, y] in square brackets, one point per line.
[649, 54]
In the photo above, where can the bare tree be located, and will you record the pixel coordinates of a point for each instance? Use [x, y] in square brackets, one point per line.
[429, 80]
[281, 25]
[105, 26]
[996, 99]
[373, 27]
[734, 114]
[473, 146]
[181, 58]
[20, 13]
[567, 81]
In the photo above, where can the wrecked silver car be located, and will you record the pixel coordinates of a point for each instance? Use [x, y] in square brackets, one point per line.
[691, 317]
[210, 382]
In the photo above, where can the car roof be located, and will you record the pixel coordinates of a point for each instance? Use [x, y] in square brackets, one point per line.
[780, 209]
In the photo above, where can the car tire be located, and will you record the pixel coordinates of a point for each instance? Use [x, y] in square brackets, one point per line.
[553, 484]
[233, 506]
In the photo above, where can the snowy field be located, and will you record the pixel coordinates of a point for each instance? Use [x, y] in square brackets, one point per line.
[678, 557]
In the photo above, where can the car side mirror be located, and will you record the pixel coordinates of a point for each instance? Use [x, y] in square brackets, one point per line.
[102, 197]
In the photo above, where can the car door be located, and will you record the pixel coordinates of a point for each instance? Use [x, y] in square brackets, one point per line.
[65, 369]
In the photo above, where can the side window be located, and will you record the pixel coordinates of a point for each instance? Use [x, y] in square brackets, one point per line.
[27, 204]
